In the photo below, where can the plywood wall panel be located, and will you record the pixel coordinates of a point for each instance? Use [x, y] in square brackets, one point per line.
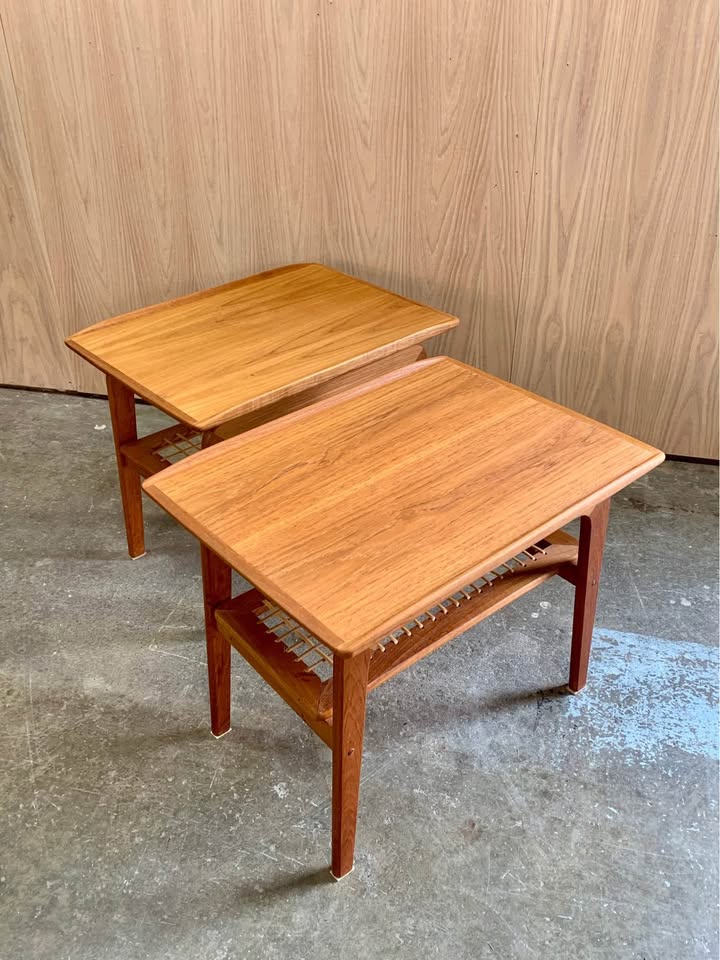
[29, 314]
[545, 169]
[429, 114]
[168, 146]
[619, 305]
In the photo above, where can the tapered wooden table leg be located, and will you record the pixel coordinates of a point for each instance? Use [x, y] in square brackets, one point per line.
[124, 424]
[217, 582]
[350, 677]
[590, 554]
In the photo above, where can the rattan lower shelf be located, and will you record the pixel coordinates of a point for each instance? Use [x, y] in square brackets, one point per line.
[299, 667]
[156, 451]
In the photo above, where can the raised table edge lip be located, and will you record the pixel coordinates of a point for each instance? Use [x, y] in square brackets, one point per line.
[362, 643]
[444, 323]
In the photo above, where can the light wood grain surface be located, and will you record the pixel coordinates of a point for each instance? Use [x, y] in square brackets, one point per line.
[361, 512]
[224, 352]
[150, 150]
[428, 119]
[171, 147]
[619, 308]
[30, 322]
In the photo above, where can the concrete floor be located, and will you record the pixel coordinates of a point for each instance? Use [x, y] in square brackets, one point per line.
[498, 820]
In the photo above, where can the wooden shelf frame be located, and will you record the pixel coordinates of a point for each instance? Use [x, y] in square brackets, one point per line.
[296, 664]
[156, 451]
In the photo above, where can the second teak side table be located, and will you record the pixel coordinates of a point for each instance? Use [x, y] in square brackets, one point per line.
[224, 360]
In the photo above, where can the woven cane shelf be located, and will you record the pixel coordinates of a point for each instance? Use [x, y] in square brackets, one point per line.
[156, 451]
[299, 667]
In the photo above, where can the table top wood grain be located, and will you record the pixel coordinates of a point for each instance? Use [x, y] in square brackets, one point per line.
[230, 350]
[360, 512]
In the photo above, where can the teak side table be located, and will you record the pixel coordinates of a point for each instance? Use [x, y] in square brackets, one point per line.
[224, 360]
[379, 524]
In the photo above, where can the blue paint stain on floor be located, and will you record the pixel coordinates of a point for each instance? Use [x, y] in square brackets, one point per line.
[646, 694]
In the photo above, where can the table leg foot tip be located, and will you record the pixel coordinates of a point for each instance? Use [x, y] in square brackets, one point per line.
[342, 876]
[219, 736]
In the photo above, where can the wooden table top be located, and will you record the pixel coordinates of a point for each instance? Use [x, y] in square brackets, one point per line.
[358, 513]
[227, 351]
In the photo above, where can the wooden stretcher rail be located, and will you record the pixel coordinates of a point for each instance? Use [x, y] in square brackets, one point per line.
[298, 685]
[469, 606]
[297, 665]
